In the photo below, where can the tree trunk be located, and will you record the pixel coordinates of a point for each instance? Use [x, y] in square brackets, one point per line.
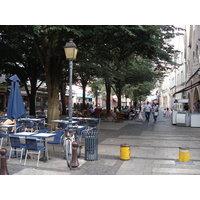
[32, 103]
[96, 96]
[119, 93]
[84, 88]
[53, 69]
[108, 93]
[53, 100]
[52, 73]
[119, 99]
[31, 96]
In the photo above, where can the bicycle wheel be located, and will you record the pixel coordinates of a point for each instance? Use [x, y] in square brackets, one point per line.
[68, 152]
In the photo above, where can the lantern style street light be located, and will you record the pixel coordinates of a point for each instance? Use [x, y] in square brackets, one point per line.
[70, 53]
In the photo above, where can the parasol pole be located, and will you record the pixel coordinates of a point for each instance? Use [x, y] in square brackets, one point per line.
[15, 126]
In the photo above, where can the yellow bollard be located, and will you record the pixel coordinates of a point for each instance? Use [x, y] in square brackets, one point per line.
[125, 152]
[184, 154]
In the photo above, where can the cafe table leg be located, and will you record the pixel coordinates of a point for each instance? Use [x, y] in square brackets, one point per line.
[45, 155]
[46, 150]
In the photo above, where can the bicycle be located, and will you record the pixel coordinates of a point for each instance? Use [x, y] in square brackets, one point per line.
[68, 147]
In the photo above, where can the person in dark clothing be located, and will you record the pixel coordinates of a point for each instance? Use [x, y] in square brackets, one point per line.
[186, 107]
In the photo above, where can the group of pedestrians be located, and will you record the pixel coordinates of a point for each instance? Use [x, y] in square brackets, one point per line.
[151, 108]
[166, 112]
[196, 107]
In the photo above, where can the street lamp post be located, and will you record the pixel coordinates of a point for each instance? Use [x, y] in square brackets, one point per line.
[70, 53]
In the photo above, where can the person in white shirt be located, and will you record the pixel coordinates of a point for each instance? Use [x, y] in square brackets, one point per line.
[147, 108]
[175, 104]
[155, 111]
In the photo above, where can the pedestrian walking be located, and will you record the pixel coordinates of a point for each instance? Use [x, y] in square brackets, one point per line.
[147, 109]
[140, 117]
[186, 107]
[174, 106]
[168, 113]
[155, 111]
[164, 112]
[195, 107]
[198, 106]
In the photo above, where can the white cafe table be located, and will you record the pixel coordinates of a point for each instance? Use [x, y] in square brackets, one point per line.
[89, 118]
[34, 120]
[79, 128]
[30, 119]
[44, 136]
[24, 134]
[5, 127]
[75, 118]
[63, 121]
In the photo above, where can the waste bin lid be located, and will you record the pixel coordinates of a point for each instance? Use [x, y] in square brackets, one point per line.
[185, 148]
[125, 145]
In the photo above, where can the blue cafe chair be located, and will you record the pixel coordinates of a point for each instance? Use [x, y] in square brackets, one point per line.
[2, 136]
[16, 145]
[58, 138]
[33, 148]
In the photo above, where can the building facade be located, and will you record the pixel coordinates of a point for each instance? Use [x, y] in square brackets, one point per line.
[183, 81]
[193, 64]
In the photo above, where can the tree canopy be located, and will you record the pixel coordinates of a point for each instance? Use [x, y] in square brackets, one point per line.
[120, 54]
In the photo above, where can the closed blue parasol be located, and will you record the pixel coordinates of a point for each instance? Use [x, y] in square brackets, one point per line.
[15, 107]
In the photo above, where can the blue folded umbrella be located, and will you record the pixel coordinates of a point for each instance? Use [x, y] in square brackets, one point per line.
[15, 107]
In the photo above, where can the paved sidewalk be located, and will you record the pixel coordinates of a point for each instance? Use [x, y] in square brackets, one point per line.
[154, 151]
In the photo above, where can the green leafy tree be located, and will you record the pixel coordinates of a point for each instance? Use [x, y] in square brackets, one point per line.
[112, 47]
[49, 42]
[109, 52]
[18, 57]
[44, 45]
[84, 71]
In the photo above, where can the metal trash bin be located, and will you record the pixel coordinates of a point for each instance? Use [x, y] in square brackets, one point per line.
[91, 145]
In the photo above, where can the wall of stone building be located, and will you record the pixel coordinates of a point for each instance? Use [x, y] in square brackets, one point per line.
[192, 49]
[193, 63]
[187, 73]
[165, 100]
